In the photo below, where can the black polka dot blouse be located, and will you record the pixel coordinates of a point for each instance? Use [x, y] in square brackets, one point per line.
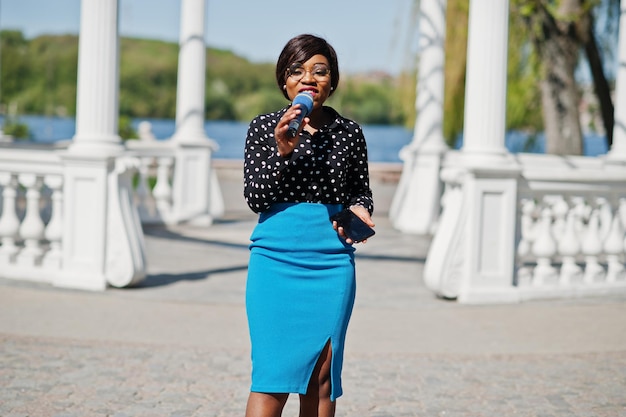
[329, 167]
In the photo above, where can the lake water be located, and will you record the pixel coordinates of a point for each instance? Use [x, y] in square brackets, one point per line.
[384, 142]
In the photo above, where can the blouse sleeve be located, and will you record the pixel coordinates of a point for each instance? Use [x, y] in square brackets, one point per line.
[359, 191]
[263, 166]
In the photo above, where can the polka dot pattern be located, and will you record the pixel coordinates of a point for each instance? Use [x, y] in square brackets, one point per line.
[328, 167]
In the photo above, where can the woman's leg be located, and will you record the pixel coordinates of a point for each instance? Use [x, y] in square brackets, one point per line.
[316, 402]
[265, 405]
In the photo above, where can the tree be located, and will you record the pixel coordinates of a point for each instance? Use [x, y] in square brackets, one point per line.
[611, 10]
[523, 92]
[558, 29]
[545, 40]
[456, 60]
[16, 70]
[553, 35]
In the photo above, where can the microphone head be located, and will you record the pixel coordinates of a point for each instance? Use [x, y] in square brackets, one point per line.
[305, 100]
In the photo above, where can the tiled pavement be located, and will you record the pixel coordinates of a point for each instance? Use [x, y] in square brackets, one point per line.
[178, 344]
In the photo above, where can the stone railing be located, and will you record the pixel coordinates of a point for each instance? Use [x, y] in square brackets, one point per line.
[537, 226]
[31, 223]
[153, 194]
[42, 234]
[571, 222]
[74, 220]
[176, 182]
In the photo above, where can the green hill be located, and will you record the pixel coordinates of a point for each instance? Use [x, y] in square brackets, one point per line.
[38, 76]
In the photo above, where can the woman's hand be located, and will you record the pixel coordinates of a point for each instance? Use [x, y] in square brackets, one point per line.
[287, 144]
[363, 214]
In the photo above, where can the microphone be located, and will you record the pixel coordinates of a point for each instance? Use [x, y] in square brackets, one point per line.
[305, 100]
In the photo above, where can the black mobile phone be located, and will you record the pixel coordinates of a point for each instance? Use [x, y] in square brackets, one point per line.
[354, 228]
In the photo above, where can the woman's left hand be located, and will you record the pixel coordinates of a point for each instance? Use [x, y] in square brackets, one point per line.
[363, 214]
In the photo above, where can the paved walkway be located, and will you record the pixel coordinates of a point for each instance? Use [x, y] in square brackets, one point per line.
[178, 344]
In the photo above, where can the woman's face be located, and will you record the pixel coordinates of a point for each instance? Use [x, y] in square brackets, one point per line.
[312, 75]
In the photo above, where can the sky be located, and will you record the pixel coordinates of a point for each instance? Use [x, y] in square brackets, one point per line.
[368, 35]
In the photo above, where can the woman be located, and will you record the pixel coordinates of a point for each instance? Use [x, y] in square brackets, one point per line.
[301, 282]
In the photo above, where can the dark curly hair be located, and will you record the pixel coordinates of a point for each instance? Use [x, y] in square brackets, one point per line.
[301, 49]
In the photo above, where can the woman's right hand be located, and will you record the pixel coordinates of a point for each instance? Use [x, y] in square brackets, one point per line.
[287, 144]
[363, 214]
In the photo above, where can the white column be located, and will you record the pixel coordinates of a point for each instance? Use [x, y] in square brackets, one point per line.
[428, 132]
[491, 184]
[98, 79]
[416, 203]
[618, 150]
[196, 193]
[97, 224]
[472, 254]
[191, 72]
[485, 91]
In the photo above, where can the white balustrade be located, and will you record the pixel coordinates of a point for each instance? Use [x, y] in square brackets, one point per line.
[589, 250]
[33, 222]
[527, 236]
[572, 222]
[544, 248]
[622, 211]
[54, 229]
[568, 239]
[31, 185]
[155, 203]
[169, 200]
[569, 248]
[614, 250]
[69, 217]
[153, 193]
[32, 226]
[9, 222]
[592, 249]
[33, 213]
[162, 191]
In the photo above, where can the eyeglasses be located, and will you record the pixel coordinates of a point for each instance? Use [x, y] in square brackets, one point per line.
[320, 72]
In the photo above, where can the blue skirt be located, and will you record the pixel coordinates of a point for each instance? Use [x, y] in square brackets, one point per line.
[299, 296]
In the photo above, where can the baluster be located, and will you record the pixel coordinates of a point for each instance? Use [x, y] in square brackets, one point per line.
[559, 210]
[544, 248]
[524, 273]
[614, 249]
[606, 217]
[583, 211]
[591, 248]
[54, 230]
[32, 228]
[622, 215]
[144, 200]
[569, 248]
[9, 223]
[162, 191]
